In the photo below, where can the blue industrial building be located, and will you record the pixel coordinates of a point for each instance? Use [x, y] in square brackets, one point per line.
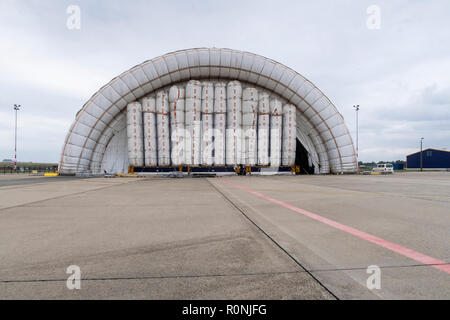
[431, 159]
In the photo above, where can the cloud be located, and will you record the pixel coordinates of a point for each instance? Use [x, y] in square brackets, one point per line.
[398, 74]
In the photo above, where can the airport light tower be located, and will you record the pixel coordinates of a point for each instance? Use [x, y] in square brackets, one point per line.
[357, 137]
[16, 108]
[421, 159]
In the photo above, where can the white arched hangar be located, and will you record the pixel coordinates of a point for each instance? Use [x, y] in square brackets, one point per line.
[208, 108]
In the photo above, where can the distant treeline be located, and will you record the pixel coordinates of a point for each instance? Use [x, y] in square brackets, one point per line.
[28, 164]
[370, 165]
[27, 167]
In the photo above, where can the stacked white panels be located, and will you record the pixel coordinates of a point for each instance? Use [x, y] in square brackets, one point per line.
[249, 126]
[233, 142]
[162, 124]
[150, 146]
[263, 129]
[276, 120]
[207, 123]
[289, 143]
[193, 123]
[177, 128]
[134, 133]
[220, 115]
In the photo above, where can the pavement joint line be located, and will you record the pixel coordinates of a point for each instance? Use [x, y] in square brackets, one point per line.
[272, 240]
[216, 275]
[161, 277]
[29, 185]
[381, 267]
[345, 192]
[20, 186]
[39, 182]
[404, 251]
[63, 196]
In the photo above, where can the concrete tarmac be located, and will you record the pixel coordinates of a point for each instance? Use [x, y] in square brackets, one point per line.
[22, 179]
[203, 238]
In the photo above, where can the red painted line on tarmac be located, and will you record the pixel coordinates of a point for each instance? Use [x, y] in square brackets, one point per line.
[420, 257]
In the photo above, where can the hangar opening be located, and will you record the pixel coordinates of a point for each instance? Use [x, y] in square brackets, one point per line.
[303, 159]
[213, 110]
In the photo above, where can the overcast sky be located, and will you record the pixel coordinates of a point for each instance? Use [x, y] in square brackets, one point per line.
[398, 74]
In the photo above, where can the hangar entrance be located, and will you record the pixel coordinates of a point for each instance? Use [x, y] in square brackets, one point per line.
[302, 159]
[138, 118]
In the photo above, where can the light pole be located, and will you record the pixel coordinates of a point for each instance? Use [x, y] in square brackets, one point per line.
[357, 138]
[421, 159]
[16, 108]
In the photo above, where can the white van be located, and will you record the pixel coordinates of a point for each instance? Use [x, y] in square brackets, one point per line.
[384, 167]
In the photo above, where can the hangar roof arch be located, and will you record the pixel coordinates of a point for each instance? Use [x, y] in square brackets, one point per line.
[320, 125]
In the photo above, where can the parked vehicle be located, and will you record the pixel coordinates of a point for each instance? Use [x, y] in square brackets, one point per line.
[384, 167]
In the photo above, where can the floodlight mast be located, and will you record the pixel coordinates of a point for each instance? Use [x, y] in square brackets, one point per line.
[421, 158]
[16, 108]
[357, 136]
